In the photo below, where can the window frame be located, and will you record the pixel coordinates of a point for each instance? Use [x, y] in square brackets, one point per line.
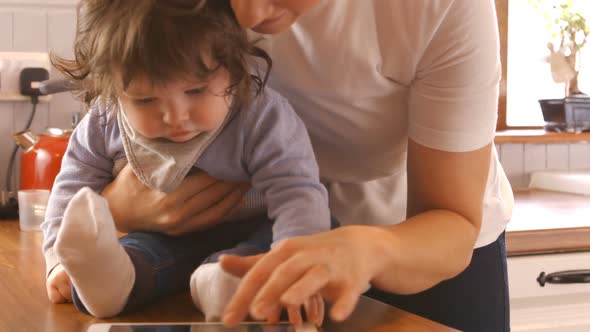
[502, 14]
[502, 124]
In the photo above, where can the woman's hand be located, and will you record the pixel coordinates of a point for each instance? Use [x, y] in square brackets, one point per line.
[198, 203]
[338, 264]
[59, 286]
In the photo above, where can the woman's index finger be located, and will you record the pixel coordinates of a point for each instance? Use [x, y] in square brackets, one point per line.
[253, 281]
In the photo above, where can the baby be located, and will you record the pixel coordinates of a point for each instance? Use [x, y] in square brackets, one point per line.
[173, 86]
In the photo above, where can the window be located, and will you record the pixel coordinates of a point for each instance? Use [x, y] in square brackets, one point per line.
[527, 70]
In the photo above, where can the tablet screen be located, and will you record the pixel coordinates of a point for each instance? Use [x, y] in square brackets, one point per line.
[202, 328]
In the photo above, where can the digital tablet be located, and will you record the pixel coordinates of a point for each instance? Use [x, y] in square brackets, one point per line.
[198, 327]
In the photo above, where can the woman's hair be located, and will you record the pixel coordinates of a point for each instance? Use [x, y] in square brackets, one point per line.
[119, 40]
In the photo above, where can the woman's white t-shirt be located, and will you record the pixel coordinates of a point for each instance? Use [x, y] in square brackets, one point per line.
[364, 75]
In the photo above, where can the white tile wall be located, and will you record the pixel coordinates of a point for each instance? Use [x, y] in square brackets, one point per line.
[535, 158]
[512, 159]
[519, 160]
[579, 156]
[558, 156]
[35, 25]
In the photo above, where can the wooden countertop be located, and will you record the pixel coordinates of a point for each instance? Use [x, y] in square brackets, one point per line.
[548, 222]
[24, 305]
[542, 222]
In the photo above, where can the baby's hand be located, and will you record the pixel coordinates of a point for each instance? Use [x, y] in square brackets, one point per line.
[58, 285]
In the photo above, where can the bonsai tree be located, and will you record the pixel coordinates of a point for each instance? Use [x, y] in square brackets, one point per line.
[568, 28]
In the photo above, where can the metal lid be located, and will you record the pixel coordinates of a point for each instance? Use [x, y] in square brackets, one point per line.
[26, 140]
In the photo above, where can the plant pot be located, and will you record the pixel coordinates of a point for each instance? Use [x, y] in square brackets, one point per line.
[554, 114]
[570, 114]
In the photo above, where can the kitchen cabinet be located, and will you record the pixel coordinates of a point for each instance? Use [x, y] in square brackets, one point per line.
[549, 232]
[553, 307]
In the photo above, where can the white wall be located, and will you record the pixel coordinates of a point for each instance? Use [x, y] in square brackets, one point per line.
[519, 160]
[35, 26]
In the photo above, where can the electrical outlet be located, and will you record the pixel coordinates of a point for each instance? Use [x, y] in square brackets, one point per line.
[11, 64]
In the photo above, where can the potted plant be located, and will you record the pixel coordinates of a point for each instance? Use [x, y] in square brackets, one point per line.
[568, 31]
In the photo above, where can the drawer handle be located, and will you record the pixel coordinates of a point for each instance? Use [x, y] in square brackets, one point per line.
[564, 277]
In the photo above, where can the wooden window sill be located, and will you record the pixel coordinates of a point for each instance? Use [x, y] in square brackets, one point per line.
[538, 136]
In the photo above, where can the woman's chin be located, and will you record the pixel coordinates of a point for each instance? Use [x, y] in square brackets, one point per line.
[273, 27]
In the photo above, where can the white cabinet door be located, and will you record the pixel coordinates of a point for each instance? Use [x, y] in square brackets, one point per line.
[554, 306]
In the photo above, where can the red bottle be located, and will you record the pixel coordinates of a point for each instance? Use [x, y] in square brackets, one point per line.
[41, 157]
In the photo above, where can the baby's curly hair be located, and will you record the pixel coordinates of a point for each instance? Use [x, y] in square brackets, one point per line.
[119, 40]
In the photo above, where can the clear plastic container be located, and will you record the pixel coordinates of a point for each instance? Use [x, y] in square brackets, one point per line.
[31, 208]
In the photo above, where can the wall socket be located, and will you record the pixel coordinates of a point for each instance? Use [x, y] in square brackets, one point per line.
[11, 64]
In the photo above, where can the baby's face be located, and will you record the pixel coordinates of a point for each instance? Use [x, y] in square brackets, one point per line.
[270, 16]
[179, 110]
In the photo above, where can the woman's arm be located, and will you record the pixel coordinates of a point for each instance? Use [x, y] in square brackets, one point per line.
[445, 207]
[198, 203]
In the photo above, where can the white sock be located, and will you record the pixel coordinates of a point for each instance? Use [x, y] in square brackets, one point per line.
[211, 290]
[89, 250]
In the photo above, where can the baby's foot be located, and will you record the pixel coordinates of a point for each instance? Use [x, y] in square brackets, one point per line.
[88, 248]
[211, 290]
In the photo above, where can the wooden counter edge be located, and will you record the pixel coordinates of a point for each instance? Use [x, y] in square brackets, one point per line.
[547, 241]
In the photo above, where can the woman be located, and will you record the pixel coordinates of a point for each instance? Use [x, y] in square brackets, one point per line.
[400, 101]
